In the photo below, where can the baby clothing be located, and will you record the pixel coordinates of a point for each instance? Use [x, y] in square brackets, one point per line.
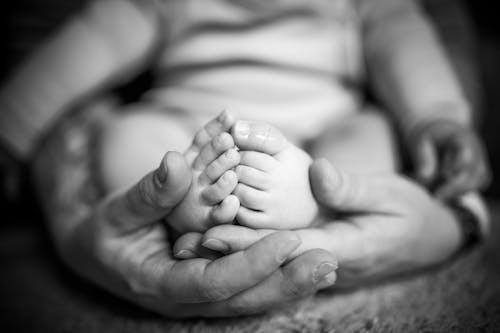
[291, 63]
[296, 64]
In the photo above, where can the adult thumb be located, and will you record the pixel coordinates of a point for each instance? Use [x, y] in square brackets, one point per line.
[153, 197]
[340, 191]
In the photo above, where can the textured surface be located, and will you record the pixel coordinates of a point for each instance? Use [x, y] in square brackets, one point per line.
[37, 294]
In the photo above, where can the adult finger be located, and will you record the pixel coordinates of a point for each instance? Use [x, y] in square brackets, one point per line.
[340, 191]
[336, 237]
[231, 238]
[188, 246]
[361, 248]
[151, 198]
[200, 280]
[301, 277]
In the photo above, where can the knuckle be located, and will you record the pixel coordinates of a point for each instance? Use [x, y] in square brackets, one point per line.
[212, 290]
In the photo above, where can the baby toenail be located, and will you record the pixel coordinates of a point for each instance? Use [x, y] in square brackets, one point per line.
[242, 129]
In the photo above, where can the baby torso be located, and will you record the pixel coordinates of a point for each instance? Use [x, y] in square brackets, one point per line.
[292, 63]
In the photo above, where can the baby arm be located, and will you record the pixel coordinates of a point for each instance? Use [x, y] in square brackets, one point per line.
[413, 77]
[97, 48]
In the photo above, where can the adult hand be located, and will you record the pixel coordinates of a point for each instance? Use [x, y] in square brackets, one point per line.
[122, 246]
[385, 225]
[449, 158]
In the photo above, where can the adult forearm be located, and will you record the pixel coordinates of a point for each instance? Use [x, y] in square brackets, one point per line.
[408, 67]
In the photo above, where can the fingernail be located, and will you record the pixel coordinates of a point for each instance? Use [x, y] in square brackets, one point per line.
[185, 254]
[242, 129]
[324, 274]
[216, 245]
[161, 174]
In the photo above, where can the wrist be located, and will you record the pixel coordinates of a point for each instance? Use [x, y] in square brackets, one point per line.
[446, 113]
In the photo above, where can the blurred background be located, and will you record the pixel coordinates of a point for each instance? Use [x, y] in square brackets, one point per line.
[470, 30]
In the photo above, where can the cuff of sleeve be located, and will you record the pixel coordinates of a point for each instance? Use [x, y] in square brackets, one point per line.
[473, 218]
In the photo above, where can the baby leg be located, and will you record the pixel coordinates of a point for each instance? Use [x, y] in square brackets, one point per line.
[133, 139]
[363, 144]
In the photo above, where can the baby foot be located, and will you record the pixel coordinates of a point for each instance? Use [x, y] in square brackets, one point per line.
[208, 202]
[273, 175]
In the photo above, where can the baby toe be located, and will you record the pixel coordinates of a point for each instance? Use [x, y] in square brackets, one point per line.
[259, 136]
[224, 162]
[260, 161]
[213, 149]
[253, 177]
[251, 198]
[222, 123]
[226, 211]
[223, 187]
[252, 218]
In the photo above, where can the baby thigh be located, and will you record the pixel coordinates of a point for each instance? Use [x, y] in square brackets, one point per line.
[362, 143]
[133, 140]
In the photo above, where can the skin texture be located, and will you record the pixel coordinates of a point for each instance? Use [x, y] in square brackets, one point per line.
[383, 225]
[211, 157]
[266, 178]
[384, 216]
[119, 242]
[449, 158]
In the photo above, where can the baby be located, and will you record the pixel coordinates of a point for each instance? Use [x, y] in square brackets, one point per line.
[268, 188]
[292, 63]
